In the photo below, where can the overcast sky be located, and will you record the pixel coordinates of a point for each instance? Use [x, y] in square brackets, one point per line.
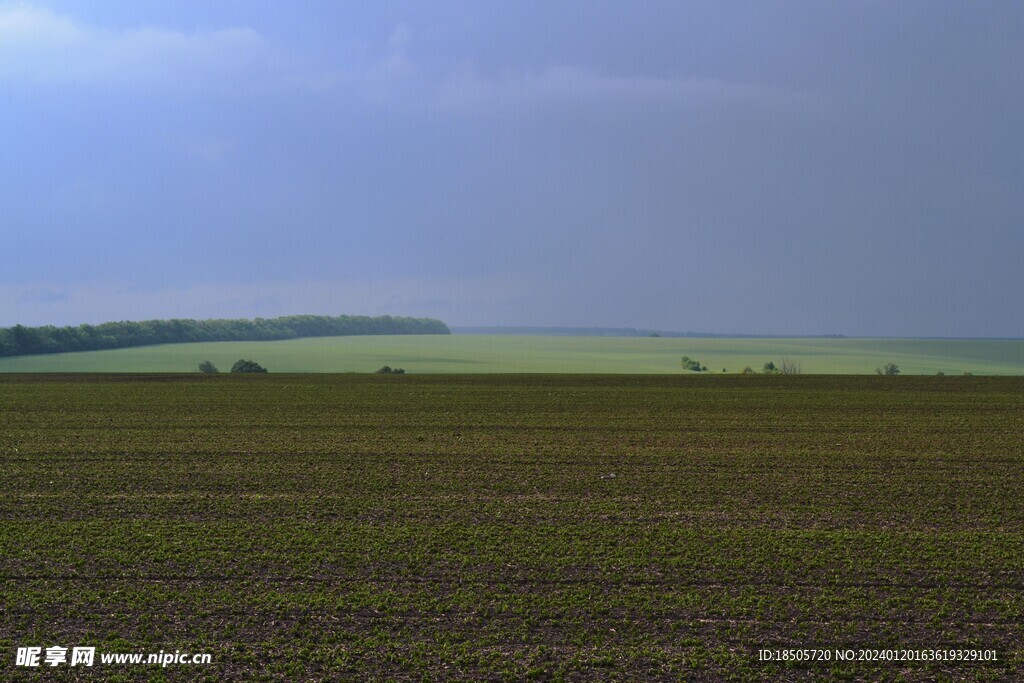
[764, 167]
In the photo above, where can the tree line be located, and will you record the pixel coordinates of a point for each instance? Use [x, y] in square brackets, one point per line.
[20, 340]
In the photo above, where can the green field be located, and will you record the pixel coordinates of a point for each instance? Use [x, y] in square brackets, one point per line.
[543, 354]
[365, 527]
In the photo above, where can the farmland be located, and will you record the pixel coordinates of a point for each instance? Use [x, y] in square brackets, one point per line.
[459, 354]
[511, 527]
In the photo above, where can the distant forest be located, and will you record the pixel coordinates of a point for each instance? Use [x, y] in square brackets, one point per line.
[628, 332]
[22, 341]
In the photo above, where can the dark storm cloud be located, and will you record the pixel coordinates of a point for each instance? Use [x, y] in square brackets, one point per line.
[737, 167]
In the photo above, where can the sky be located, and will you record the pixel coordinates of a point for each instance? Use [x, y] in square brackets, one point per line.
[734, 167]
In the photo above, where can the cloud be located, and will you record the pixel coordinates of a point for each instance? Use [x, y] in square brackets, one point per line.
[389, 76]
[380, 80]
[468, 91]
[39, 46]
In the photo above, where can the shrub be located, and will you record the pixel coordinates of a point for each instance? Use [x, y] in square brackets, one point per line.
[889, 369]
[692, 365]
[388, 370]
[769, 368]
[243, 365]
[747, 371]
[208, 367]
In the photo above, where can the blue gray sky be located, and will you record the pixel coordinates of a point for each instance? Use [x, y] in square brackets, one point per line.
[740, 167]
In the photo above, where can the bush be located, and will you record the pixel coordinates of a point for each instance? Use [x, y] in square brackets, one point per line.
[889, 369]
[692, 365]
[388, 370]
[247, 366]
[769, 368]
[747, 371]
[208, 367]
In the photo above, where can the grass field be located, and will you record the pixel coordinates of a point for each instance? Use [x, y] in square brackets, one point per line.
[364, 527]
[543, 354]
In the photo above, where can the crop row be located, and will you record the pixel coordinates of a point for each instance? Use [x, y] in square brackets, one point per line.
[504, 528]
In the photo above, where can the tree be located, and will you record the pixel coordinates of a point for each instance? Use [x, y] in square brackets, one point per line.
[21, 340]
[26, 340]
[769, 368]
[789, 367]
[208, 367]
[889, 369]
[692, 365]
[388, 370]
[243, 365]
[747, 371]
